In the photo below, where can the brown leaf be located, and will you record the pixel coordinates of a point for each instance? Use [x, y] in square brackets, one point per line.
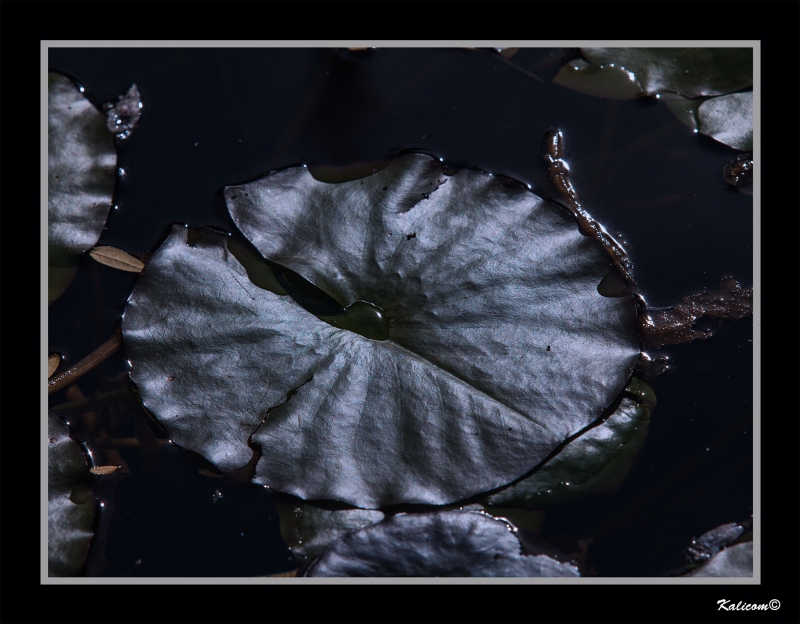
[103, 470]
[117, 259]
[53, 360]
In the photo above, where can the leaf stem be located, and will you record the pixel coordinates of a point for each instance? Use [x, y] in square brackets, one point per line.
[102, 353]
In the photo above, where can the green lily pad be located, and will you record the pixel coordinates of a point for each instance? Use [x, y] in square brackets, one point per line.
[690, 72]
[595, 462]
[70, 503]
[491, 343]
[728, 119]
[80, 167]
[444, 543]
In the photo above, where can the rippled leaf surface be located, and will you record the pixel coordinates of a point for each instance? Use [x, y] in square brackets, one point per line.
[70, 504]
[80, 168]
[499, 346]
[446, 543]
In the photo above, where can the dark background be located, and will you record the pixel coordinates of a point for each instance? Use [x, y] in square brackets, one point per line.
[215, 117]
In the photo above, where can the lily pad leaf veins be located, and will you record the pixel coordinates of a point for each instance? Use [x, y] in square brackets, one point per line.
[498, 346]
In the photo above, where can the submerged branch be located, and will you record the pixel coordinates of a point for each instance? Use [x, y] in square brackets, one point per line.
[73, 373]
[677, 325]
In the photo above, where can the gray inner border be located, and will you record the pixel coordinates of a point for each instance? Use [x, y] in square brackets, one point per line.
[757, 519]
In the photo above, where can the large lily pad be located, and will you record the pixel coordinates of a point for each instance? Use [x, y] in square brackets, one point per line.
[499, 345]
[80, 168]
[445, 543]
[70, 503]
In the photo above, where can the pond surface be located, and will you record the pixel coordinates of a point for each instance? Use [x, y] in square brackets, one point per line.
[217, 117]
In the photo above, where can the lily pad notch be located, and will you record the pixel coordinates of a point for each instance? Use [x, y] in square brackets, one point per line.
[499, 345]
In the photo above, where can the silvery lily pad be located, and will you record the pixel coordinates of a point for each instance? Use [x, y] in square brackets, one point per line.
[80, 168]
[499, 346]
[445, 543]
[728, 119]
[70, 503]
[735, 560]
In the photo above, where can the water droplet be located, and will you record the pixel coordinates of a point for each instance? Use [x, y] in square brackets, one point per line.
[364, 318]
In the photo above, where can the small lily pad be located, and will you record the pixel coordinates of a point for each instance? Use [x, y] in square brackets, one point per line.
[444, 543]
[711, 542]
[81, 162]
[70, 503]
[728, 119]
[735, 560]
[596, 461]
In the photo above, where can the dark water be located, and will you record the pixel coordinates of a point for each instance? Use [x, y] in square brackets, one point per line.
[216, 117]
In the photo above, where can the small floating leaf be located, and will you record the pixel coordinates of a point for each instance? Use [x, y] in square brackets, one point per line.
[444, 543]
[103, 470]
[711, 542]
[53, 360]
[117, 259]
